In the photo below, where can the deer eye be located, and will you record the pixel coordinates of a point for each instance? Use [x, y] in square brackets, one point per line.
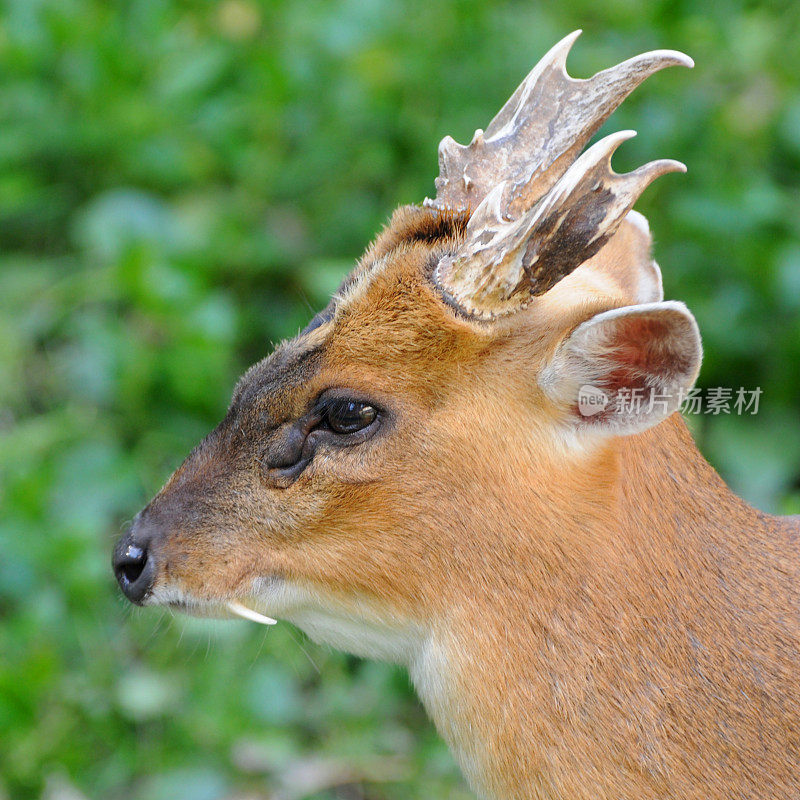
[349, 416]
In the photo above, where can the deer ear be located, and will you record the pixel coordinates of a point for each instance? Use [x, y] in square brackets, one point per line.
[626, 263]
[625, 370]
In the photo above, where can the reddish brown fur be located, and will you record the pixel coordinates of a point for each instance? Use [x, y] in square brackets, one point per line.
[608, 622]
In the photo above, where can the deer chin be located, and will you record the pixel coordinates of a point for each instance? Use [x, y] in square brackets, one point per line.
[356, 624]
[177, 600]
[359, 625]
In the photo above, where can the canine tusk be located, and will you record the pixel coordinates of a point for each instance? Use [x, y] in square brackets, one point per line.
[247, 613]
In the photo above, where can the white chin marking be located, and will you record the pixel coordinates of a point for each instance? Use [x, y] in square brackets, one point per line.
[358, 625]
[355, 624]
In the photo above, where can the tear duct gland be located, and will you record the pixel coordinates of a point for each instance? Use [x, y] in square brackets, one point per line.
[585, 609]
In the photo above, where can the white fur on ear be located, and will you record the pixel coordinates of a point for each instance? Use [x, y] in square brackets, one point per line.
[650, 287]
[625, 370]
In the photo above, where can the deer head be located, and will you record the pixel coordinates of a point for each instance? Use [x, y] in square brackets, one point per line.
[395, 461]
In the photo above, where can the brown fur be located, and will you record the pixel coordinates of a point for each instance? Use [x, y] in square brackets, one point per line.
[608, 622]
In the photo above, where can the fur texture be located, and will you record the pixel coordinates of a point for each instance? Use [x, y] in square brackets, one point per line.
[584, 617]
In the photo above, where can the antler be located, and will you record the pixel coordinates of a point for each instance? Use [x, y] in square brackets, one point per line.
[540, 212]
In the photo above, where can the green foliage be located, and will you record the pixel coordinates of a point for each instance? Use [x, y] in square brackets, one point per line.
[182, 182]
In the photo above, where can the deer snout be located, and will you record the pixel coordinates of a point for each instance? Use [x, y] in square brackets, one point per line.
[133, 562]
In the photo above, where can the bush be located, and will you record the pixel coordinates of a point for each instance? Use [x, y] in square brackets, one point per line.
[184, 183]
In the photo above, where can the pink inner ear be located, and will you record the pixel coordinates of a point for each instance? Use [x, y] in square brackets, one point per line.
[644, 346]
[628, 367]
[642, 353]
[636, 350]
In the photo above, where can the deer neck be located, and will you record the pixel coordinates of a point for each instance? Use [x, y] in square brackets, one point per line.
[556, 676]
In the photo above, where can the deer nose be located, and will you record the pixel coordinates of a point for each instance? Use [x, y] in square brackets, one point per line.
[133, 564]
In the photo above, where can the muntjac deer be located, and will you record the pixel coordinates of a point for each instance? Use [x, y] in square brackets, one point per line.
[584, 607]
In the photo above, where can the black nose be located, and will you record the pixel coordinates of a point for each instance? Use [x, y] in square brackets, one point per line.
[133, 565]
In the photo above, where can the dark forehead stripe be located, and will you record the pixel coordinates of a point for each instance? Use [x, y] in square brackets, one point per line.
[291, 365]
[319, 319]
[419, 224]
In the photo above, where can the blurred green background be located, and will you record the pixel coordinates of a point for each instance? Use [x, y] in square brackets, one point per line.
[182, 183]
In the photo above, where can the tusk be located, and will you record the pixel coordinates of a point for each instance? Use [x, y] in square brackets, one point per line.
[247, 613]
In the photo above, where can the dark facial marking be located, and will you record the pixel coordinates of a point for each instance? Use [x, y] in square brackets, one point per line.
[319, 319]
[273, 379]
